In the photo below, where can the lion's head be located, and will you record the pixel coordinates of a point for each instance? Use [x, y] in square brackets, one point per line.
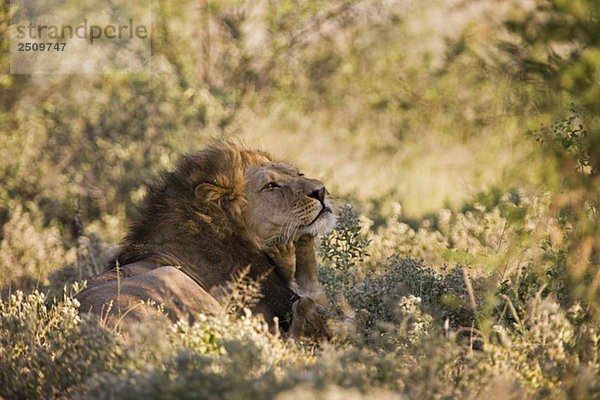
[220, 206]
[220, 211]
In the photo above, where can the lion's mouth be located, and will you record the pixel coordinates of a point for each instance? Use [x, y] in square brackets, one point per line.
[325, 209]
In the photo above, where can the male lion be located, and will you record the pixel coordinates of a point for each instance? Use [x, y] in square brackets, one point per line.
[221, 211]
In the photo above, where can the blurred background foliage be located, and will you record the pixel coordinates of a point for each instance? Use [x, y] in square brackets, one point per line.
[465, 134]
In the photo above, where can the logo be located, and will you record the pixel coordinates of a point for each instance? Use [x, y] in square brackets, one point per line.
[84, 37]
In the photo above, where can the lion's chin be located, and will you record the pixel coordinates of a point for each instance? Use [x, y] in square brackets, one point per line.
[322, 225]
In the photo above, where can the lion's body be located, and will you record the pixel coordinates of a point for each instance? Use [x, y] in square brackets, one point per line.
[221, 210]
[142, 289]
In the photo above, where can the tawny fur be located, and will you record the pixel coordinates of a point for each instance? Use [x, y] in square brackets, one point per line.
[201, 219]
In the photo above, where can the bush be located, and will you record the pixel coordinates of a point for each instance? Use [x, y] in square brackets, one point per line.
[48, 351]
[29, 253]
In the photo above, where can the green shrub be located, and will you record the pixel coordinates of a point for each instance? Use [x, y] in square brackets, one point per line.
[345, 246]
[48, 351]
[226, 357]
[29, 253]
[548, 350]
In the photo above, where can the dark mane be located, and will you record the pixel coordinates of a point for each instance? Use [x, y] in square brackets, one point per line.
[193, 215]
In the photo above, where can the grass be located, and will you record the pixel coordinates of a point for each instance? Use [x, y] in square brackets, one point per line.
[402, 329]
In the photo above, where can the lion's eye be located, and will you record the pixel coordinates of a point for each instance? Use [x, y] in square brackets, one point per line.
[300, 174]
[271, 186]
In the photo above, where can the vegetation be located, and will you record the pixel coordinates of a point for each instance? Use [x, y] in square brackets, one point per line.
[464, 134]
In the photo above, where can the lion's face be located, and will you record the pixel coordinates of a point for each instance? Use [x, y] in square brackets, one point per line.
[282, 204]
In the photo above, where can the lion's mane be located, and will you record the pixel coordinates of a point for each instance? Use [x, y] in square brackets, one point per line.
[193, 218]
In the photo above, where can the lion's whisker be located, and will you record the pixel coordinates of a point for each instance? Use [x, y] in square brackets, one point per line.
[291, 230]
[286, 226]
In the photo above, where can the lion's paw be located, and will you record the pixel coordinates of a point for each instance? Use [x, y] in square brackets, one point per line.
[309, 321]
[284, 256]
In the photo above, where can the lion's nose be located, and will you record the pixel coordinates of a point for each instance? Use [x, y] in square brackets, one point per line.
[318, 194]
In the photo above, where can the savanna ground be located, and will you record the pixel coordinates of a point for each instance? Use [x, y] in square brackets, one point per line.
[464, 135]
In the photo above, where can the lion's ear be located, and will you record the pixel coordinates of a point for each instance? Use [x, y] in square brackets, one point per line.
[226, 190]
[209, 191]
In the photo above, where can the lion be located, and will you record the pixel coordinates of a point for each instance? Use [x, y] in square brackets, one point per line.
[221, 211]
